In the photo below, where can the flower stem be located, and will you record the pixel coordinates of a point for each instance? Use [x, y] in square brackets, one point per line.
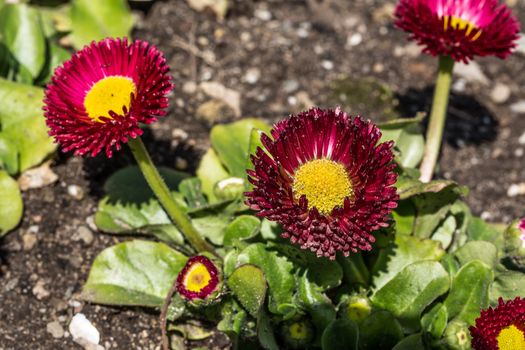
[157, 184]
[437, 118]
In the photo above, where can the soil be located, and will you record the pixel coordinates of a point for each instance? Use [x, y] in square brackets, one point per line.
[281, 56]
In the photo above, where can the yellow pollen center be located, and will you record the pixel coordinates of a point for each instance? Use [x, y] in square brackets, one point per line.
[109, 94]
[511, 338]
[325, 184]
[197, 278]
[461, 24]
[299, 331]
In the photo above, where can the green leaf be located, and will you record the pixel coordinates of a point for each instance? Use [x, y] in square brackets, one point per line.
[241, 228]
[340, 334]
[98, 19]
[248, 284]
[469, 292]
[21, 32]
[318, 305]
[445, 232]
[233, 319]
[380, 330]
[408, 140]
[56, 55]
[133, 273]
[265, 332]
[11, 205]
[412, 342]
[354, 269]
[404, 216]
[404, 251]
[23, 134]
[407, 187]
[278, 272]
[479, 230]
[191, 189]
[231, 142]
[507, 285]
[212, 227]
[192, 330]
[435, 321]
[412, 290]
[210, 172]
[485, 252]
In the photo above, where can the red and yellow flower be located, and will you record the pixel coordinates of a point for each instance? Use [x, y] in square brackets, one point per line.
[460, 29]
[324, 177]
[501, 328]
[98, 98]
[199, 279]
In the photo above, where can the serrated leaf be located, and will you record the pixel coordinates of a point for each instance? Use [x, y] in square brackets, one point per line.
[11, 205]
[507, 285]
[231, 143]
[469, 292]
[404, 251]
[340, 334]
[248, 284]
[278, 272]
[21, 32]
[99, 19]
[411, 291]
[380, 330]
[133, 273]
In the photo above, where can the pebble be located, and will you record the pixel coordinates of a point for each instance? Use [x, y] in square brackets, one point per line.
[354, 39]
[290, 86]
[82, 331]
[459, 85]
[252, 75]
[263, 15]
[218, 91]
[214, 111]
[181, 163]
[518, 107]
[328, 65]
[516, 189]
[85, 234]
[500, 93]
[518, 152]
[521, 139]
[29, 240]
[189, 87]
[39, 290]
[471, 72]
[55, 329]
[76, 192]
[37, 177]
[520, 48]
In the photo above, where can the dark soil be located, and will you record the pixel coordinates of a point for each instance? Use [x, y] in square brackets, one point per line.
[298, 50]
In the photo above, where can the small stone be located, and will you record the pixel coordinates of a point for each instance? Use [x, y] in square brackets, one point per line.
[214, 111]
[500, 93]
[459, 85]
[83, 332]
[179, 134]
[189, 87]
[328, 65]
[55, 329]
[303, 32]
[39, 290]
[181, 163]
[218, 91]
[378, 68]
[290, 86]
[85, 234]
[518, 107]
[520, 48]
[518, 152]
[521, 139]
[263, 15]
[354, 39]
[76, 192]
[471, 72]
[29, 240]
[516, 190]
[252, 75]
[37, 177]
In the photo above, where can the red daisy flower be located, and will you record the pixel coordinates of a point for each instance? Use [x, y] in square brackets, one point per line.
[198, 279]
[97, 99]
[459, 28]
[325, 179]
[501, 328]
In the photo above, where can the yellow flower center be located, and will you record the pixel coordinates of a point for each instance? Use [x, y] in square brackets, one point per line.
[197, 278]
[109, 94]
[511, 338]
[325, 184]
[461, 24]
[299, 331]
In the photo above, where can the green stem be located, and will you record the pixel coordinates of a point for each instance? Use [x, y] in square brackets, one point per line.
[437, 118]
[157, 184]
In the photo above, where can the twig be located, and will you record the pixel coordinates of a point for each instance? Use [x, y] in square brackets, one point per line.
[194, 50]
[163, 316]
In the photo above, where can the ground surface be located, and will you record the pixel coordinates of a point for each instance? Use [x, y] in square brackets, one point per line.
[281, 56]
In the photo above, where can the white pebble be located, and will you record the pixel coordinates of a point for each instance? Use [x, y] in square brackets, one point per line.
[518, 107]
[516, 190]
[328, 65]
[354, 39]
[81, 328]
[500, 93]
